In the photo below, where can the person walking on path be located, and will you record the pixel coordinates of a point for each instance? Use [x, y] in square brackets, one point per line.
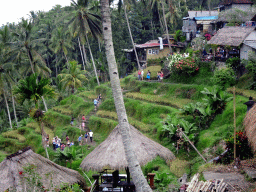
[72, 121]
[95, 103]
[80, 139]
[139, 75]
[83, 118]
[91, 135]
[83, 125]
[86, 137]
[142, 74]
[54, 143]
[148, 75]
[99, 97]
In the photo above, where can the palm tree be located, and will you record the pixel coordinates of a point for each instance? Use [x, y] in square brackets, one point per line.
[33, 89]
[136, 172]
[72, 77]
[84, 21]
[25, 44]
[60, 43]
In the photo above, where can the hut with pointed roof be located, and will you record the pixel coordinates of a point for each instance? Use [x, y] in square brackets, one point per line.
[111, 154]
[250, 126]
[52, 175]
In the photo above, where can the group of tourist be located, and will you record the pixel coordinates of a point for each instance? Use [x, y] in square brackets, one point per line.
[141, 75]
[86, 135]
[56, 143]
[160, 75]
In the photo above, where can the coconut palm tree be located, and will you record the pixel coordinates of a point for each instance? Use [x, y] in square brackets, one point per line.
[60, 42]
[72, 77]
[85, 21]
[136, 172]
[24, 44]
[33, 89]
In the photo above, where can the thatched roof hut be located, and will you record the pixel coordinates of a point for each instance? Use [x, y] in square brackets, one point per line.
[11, 171]
[111, 154]
[232, 36]
[250, 126]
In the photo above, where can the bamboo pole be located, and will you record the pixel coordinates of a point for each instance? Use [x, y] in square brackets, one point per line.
[234, 100]
[179, 129]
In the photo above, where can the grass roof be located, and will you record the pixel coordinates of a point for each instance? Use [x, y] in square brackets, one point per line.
[111, 154]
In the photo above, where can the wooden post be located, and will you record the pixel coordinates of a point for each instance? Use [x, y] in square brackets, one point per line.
[234, 100]
[179, 129]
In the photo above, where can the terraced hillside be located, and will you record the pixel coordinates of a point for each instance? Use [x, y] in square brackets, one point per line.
[147, 104]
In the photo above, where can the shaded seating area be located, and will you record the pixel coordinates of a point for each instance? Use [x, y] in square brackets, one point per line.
[111, 154]
[111, 180]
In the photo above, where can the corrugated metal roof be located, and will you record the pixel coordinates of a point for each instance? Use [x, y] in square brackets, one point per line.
[206, 18]
[192, 14]
[146, 45]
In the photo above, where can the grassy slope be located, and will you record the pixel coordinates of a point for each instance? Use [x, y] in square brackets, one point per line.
[145, 112]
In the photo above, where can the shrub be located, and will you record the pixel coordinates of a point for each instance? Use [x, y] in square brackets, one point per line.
[224, 77]
[243, 149]
[178, 167]
[23, 130]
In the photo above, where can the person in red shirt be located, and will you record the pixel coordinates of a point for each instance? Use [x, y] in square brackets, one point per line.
[139, 75]
[83, 118]
[161, 76]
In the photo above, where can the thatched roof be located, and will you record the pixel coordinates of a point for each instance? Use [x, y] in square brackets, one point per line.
[232, 36]
[250, 126]
[235, 15]
[110, 153]
[13, 165]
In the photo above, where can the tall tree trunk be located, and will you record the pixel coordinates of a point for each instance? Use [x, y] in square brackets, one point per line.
[134, 166]
[99, 44]
[85, 56]
[8, 111]
[14, 109]
[81, 52]
[128, 25]
[56, 66]
[31, 61]
[92, 59]
[166, 27]
[209, 7]
[66, 57]
[44, 102]
[152, 29]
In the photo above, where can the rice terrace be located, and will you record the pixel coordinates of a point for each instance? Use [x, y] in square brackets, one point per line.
[128, 96]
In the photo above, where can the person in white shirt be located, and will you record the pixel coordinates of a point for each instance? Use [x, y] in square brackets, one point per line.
[142, 73]
[90, 134]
